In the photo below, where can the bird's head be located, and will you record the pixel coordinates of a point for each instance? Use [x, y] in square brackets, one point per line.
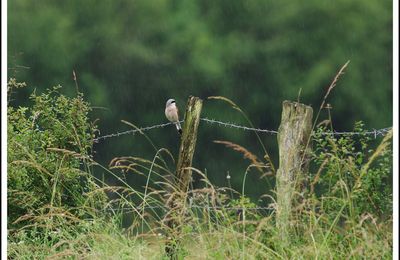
[170, 102]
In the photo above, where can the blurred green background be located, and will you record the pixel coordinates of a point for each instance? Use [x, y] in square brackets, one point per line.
[131, 56]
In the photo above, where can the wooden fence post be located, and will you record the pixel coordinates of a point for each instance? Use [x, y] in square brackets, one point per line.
[293, 140]
[188, 142]
[183, 172]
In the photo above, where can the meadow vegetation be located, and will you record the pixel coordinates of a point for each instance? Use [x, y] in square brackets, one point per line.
[58, 208]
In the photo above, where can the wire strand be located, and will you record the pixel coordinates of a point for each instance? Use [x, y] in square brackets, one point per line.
[134, 131]
[374, 132]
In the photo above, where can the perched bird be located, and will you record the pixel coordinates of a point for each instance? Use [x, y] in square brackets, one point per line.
[171, 112]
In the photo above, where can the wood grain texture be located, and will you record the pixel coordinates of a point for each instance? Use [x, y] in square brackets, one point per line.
[293, 141]
[188, 142]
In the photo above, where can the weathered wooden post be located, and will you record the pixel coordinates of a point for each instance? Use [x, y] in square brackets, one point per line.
[293, 140]
[183, 172]
[188, 142]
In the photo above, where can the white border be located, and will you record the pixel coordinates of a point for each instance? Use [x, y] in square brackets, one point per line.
[395, 129]
[4, 129]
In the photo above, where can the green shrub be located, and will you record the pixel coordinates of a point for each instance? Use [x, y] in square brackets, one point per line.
[352, 175]
[49, 149]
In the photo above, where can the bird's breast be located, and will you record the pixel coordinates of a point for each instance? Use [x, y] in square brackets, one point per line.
[171, 113]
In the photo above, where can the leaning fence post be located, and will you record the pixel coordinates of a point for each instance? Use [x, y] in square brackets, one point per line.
[188, 142]
[293, 140]
[183, 172]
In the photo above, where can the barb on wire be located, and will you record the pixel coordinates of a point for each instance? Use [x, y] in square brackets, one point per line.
[374, 132]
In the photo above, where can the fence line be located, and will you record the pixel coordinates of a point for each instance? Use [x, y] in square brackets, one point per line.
[373, 132]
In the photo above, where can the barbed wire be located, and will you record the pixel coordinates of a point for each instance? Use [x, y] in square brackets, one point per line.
[232, 125]
[374, 132]
[133, 131]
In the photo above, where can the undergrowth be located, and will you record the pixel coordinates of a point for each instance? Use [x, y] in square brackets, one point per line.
[58, 209]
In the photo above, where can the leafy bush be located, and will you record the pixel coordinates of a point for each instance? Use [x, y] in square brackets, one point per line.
[351, 172]
[49, 147]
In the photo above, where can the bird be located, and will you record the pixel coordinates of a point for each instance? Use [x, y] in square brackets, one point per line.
[171, 112]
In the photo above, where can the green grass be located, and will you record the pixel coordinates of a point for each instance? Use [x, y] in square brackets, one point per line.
[318, 240]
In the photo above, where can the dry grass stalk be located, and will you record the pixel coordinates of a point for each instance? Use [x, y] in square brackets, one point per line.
[317, 176]
[333, 83]
[226, 100]
[246, 153]
[378, 152]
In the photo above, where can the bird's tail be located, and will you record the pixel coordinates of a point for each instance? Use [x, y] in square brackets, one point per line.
[178, 127]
